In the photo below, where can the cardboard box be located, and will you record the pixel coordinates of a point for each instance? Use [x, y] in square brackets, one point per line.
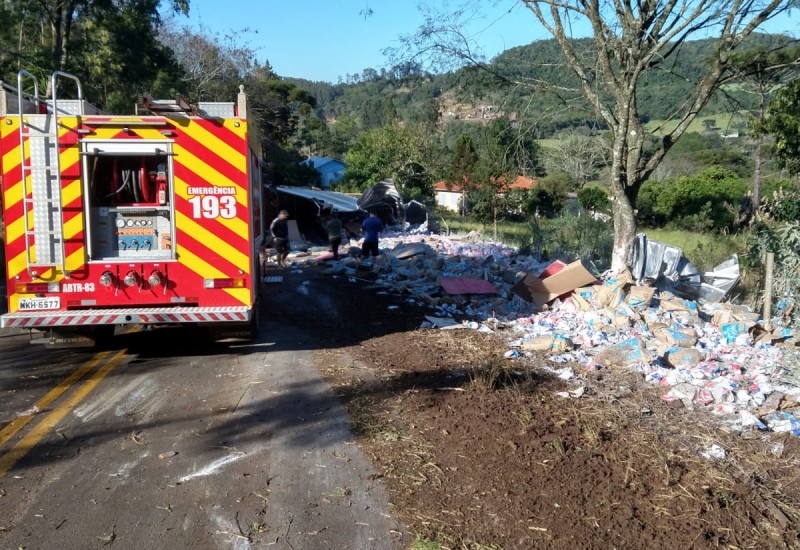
[542, 291]
[640, 296]
[552, 269]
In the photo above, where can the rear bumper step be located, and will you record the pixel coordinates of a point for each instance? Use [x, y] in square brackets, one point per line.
[138, 316]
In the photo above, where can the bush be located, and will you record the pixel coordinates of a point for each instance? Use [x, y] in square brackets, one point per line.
[595, 198]
[708, 201]
[570, 237]
[777, 230]
[781, 205]
[544, 202]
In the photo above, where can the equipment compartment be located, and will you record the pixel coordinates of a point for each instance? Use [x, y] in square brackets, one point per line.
[130, 210]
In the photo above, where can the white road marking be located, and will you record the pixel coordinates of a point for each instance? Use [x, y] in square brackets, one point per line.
[211, 468]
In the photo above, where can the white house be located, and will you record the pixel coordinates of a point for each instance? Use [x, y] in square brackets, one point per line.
[330, 170]
[449, 195]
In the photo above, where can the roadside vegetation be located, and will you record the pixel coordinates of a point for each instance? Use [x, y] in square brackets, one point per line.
[722, 188]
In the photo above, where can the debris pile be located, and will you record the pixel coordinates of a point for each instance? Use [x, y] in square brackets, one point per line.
[704, 353]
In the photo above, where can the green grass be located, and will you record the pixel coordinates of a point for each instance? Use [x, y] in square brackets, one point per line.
[551, 143]
[704, 250]
[424, 544]
[724, 122]
[511, 233]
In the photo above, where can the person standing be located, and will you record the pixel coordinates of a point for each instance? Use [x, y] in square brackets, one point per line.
[280, 236]
[334, 227]
[372, 227]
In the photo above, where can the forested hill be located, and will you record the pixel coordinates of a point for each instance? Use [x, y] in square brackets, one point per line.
[516, 85]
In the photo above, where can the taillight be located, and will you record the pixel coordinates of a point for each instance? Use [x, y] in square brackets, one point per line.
[36, 288]
[223, 283]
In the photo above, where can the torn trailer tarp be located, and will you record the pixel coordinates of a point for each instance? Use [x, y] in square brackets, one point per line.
[416, 213]
[338, 201]
[383, 199]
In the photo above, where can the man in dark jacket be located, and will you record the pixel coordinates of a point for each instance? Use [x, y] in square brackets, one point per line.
[334, 227]
[280, 236]
[371, 226]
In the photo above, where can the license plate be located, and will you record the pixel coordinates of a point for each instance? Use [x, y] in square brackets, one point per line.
[28, 304]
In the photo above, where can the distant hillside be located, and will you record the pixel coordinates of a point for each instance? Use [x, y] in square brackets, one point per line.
[472, 95]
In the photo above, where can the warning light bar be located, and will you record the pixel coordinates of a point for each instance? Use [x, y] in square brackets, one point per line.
[36, 288]
[223, 283]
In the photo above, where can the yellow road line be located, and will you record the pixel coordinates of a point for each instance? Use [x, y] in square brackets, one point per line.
[28, 442]
[18, 423]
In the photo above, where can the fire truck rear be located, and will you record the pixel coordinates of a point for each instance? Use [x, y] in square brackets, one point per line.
[150, 219]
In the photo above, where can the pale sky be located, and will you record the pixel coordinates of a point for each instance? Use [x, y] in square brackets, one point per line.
[328, 39]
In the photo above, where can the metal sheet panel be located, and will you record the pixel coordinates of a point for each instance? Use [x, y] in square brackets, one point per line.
[339, 201]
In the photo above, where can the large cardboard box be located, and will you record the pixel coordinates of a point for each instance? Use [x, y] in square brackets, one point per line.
[543, 291]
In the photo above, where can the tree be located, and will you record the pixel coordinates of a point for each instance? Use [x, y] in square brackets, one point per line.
[705, 201]
[46, 30]
[511, 147]
[110, 45]
[593, 198]
[416, 183]
[763, 72]
[579, 156]
[394, 151]
[781, 121]
[709, 124]
[630, 40]
[462, 167]
[214, 64]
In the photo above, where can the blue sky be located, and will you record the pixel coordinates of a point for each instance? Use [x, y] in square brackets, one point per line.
[327, 39]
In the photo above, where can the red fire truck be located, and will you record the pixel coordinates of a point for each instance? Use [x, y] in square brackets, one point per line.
[150, 219]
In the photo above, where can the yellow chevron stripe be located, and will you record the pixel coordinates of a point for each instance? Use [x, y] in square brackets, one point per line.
[73, 226]
[11, 158]
[71, 192]
[105, 133]
[213, 143]
[76, 260]
[205, 171]
[69, 157]
[15, 230]
[13, 195]
[17, 265]
[207, 271]
[213, 242]
[237, 225]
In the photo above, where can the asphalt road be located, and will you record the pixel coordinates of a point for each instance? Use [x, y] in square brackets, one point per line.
[171, 441]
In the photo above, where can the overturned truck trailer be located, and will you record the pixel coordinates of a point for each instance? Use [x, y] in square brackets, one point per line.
[305, 206]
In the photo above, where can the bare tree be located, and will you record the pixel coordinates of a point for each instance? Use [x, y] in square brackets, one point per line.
[214, 63]
[579, 156]
[629, 39]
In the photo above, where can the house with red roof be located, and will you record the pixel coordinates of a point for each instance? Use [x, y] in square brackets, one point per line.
[448, 195]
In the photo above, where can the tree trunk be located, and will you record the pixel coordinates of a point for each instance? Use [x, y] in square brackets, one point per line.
[757, 159]
[624, 232]
[757, 176]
